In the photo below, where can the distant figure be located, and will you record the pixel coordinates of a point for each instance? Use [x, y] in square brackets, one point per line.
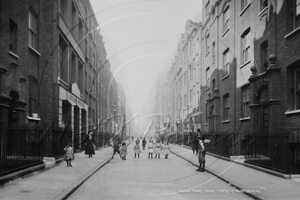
[157, 149]
[144, 142]
[123, 151]
[150, 149]
[166, 150]
[136, 150]
[196, 142]
[89, 149]
[201, 155]
[137, 141]
[69, 154]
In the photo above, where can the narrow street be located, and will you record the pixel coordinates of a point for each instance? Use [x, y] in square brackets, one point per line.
[144, 178]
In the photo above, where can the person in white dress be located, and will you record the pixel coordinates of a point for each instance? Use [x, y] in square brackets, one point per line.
[150, 149]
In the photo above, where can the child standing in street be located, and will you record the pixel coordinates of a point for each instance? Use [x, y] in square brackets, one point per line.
[137, 150]
[150, 149]
[123, 151]
[157, 149]
[69, 154]
[166, 150]
[116, 148]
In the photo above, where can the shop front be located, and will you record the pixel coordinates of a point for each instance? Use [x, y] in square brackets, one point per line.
[73, 113]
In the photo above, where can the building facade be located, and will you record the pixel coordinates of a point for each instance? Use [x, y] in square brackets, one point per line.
[247, 67]
[53, 68]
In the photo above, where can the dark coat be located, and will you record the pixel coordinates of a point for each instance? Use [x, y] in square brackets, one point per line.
[89, 149]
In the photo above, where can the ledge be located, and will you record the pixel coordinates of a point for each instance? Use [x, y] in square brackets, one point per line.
[246, 63]
[292, 112]
[33, 49]
[13, 54]
[225, 76]
[225, 32]
[262, 12]
[245, 119]
[225, 121]
[292, 33]
[245, 9]
[207, 53]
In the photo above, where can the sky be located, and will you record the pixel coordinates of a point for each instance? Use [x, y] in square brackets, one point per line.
[141, 37]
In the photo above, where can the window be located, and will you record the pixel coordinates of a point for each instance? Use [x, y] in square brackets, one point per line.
[246, 46]
[207, 43]
[245, 101]
[226, 62]
[73, 67]
[213, 47]
[206, 10]
[185, 100]
[74, 23]
[62, 60]
[263, 4]
[213, 86]
[63, 9]
[12, 36]
[86, 80]
[226, 17]
[80, 76]
[191, 95]
[185, 77]
[207, 77]
[293, 21]
[264, 56]
[244, 4]
[226, 107]
[295, 86]
[32, 29]
[80, 36]
[32, 95]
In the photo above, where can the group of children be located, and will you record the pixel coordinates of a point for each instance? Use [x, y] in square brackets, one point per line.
[153, 148]
[157, 148]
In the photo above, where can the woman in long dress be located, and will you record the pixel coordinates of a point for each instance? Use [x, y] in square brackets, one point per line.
[89, 150]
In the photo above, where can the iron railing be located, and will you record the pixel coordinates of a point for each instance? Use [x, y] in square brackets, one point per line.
[19, 148]
[276, 151]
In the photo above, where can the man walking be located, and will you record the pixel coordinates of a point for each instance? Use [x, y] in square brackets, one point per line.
[201, 155]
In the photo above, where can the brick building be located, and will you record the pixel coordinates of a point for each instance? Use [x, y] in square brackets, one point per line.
[248, 69]
[53, 67]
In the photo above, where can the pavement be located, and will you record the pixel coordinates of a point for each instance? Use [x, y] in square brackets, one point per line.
[57, 182]
[60, 181]
[256, 182]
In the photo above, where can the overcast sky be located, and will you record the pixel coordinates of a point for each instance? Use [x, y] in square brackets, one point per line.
[140, 38]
